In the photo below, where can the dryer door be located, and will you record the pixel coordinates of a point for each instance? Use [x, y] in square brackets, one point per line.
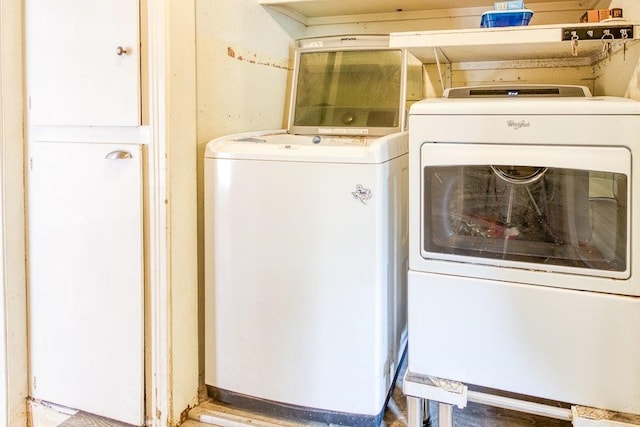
[559, 209]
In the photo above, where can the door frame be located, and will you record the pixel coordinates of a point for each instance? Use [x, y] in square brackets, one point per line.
[172, 270]
[13, 298]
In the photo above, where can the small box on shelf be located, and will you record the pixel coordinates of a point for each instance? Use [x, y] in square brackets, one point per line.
[597, 15]
[616, 12]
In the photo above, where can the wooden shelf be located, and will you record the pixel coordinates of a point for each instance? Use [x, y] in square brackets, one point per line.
[323, 8]
[530, 43]
[310, 12]
[525, 44]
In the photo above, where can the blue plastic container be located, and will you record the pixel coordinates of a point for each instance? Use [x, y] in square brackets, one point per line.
[506, 18]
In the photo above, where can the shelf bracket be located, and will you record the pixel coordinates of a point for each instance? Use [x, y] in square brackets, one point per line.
[445, 77]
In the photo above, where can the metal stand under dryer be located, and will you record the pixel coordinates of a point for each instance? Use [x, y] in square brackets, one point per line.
[449, 393]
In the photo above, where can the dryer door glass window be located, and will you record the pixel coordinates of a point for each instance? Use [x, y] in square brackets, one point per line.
[535, 214]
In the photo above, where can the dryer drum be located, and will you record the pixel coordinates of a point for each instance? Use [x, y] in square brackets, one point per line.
[545, 213]
[519, 175]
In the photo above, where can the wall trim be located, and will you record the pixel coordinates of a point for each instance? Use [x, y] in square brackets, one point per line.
[158, 394]
[13, 298]
[172, 355]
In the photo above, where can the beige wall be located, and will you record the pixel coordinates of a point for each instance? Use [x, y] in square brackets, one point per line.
[244, 58]
[620, 75]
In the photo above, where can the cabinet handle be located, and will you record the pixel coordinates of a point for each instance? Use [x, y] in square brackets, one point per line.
[121, 51]
[116, 155]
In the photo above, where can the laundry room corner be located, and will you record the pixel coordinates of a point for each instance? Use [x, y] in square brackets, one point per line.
[244, 80]
[244, 58]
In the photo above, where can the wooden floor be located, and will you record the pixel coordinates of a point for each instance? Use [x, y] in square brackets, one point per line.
[82, 419]
[474, 415]
[44, 414]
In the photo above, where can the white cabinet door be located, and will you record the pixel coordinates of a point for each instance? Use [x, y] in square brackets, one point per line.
[83, 62]
[86, 277]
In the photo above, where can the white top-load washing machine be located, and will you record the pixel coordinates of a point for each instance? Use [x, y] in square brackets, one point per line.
[306, 242]
[523, 271]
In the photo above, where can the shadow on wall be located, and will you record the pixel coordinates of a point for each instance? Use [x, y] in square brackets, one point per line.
[633, 88]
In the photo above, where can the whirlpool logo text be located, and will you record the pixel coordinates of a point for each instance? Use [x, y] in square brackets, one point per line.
[518, 124]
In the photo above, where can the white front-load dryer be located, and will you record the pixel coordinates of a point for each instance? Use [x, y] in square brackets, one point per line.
[523, 243]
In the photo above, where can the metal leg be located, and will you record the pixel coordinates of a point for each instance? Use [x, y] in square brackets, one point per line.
[445, 415]
[426, 415]
[414, 411]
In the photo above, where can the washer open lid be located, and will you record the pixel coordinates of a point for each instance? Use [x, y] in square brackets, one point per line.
[351, 85]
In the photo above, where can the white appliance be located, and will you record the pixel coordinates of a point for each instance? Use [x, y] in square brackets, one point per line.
[306, 243]
[523, 271]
